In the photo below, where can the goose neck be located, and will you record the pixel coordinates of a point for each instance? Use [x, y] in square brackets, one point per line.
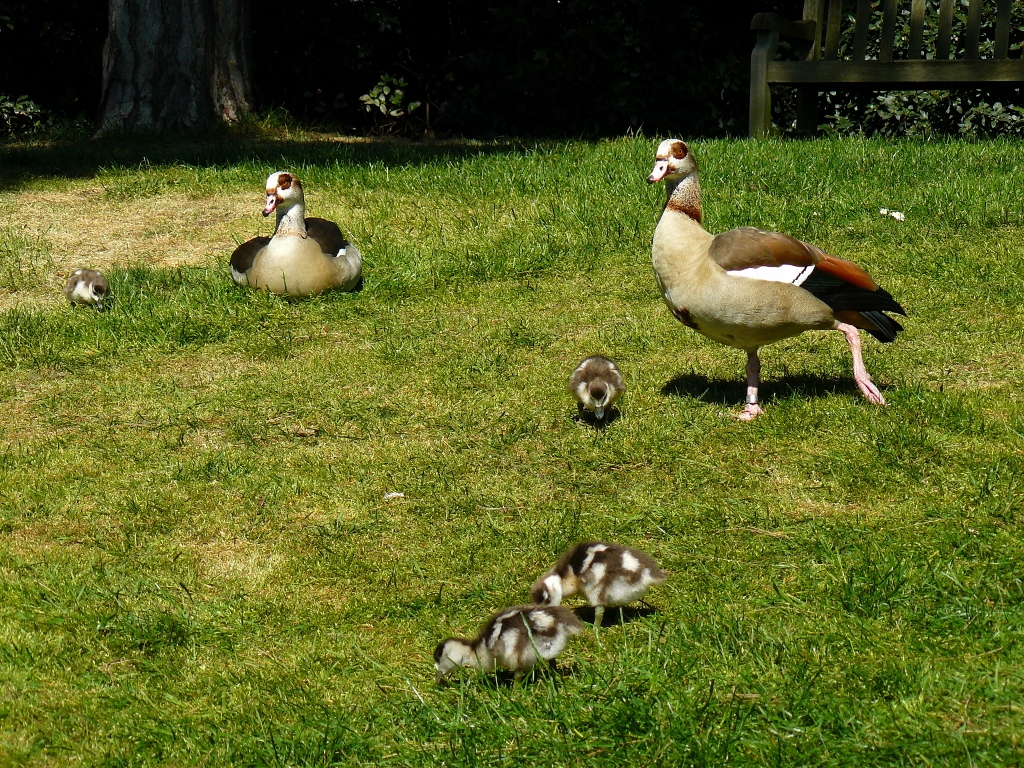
[291, 220]
[683, 195]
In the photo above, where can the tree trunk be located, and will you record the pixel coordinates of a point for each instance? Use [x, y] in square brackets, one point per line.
[175, 64]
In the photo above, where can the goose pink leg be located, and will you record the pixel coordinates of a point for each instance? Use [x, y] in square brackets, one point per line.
[860, 373]
[752, 410]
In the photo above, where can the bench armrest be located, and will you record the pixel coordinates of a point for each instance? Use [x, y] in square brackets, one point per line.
[772, 22]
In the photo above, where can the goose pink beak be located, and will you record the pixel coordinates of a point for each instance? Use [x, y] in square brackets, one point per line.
[271, 205]
[660, 169]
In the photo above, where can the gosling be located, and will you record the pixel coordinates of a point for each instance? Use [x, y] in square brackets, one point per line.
[87, 286]
[514, 639]
[608, 575]
[596, 384]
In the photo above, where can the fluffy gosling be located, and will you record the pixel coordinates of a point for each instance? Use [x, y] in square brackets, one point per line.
[87, 286]
[608, 575]
[596, 384]
[514, 639]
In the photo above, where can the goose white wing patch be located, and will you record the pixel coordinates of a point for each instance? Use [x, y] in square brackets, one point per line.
[786, 273]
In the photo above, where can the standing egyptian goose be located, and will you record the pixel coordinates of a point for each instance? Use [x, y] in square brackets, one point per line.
[608, 575]
[596, 384]
[304, 257]
[87, 286]
[514, 639]
[747, 287]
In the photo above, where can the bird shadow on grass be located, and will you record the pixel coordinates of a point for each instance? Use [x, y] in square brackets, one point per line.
[502, 678]
[614, 617]
[583, 416]
[731, 392]
[84, 158]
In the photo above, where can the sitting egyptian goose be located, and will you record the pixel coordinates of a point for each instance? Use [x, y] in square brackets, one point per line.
[87, 286]
[304, 257]
[596, 384]
[514, 639]
[747, 287]
[608, 575]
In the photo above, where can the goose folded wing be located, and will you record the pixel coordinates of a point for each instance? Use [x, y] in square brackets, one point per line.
[326, 234]
[842, 285]
[243, 255]
[759, 254]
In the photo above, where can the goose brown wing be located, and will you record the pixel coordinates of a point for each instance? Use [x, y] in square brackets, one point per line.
[327, 235]
[845, 287]
[752, 248]
[243, 255]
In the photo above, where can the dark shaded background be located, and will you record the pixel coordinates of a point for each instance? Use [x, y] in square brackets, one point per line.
[487, 68]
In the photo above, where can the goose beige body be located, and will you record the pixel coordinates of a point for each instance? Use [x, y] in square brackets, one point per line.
[747, 287]
[514, 639]
[304, 257]
[608, 575]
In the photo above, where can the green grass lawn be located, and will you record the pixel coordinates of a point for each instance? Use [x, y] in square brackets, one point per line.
[198, 564]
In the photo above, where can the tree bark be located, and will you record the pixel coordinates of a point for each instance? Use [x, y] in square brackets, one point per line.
[175, 64]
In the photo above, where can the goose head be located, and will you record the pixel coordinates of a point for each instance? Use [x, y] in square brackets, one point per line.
[99, 289]
[595, 396]
[283, 191]
[672, 162]
[450, 655]
[547, 590]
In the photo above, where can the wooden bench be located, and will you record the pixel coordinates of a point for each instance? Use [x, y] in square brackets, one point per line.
[821, 69]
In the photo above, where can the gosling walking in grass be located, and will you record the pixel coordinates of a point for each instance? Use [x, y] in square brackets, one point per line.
[87, 286]
[608, 576]
[596, 384]
[514, 639]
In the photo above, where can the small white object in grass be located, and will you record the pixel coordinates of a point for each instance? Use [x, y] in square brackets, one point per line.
[899, 216]
[393, 495]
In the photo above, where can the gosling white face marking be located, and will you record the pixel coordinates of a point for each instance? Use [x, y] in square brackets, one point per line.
[451, 655]
[553, 585]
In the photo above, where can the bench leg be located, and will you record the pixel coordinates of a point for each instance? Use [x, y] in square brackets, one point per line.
[760, 95]
[807, 110]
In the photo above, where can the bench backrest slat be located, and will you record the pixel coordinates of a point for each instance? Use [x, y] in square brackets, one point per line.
[835, 15]
[814, 10]
[945, 29]
[888, 31]
[1003, 29]
[860, 31]
[916, 29]
[828, 28]
[973, 30]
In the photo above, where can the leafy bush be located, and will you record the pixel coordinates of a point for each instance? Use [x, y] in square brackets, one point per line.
[387, 103]
[20, 115]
